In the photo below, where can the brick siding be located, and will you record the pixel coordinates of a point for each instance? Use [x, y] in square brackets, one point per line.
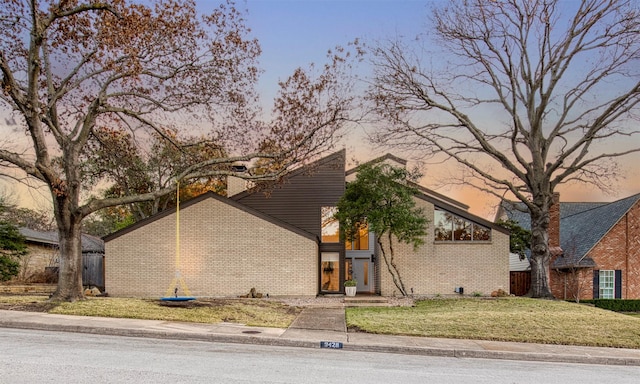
[37, 259]
[619, 249]
[438, 268]
[224, 252]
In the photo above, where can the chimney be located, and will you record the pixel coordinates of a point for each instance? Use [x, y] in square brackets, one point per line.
[235, 184]
[554, 221]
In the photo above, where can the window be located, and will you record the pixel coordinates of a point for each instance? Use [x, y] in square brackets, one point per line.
[330, 264]
[607, 284]
[450, 227]
[360, 241]
[329, 225]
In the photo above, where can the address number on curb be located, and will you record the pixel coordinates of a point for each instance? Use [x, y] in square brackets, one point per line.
[331, 344]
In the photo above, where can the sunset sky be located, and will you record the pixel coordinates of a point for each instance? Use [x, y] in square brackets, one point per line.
[294, 33]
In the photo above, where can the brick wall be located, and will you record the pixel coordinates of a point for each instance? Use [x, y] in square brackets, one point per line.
[38, 258]
[618, 249]
[225, 251]
[438, 268]
[554, 221]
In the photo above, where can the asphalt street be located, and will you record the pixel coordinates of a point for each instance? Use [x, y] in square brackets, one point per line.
[60, 357]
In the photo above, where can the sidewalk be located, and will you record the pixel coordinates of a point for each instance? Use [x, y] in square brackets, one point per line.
[313, 326]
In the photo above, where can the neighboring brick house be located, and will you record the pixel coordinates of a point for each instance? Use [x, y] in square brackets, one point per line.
[43, 253]
[285, 243]
[600, 247]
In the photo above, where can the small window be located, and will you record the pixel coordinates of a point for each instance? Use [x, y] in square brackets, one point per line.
[360, 241]
[329, 225]
[607, 284]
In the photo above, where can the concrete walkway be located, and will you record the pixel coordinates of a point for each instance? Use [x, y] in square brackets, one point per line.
[311, 329]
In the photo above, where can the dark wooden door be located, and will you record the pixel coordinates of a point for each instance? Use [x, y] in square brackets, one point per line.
[520, 282]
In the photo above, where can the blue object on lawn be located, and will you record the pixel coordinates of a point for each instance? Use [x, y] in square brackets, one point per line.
[179, 298]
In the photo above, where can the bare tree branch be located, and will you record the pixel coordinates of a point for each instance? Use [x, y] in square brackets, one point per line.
[564, 78]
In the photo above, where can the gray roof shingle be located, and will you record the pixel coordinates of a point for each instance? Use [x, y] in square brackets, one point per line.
[582, 226]
[90, 244]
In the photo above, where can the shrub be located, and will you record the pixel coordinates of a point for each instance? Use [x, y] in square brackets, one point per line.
[48, 276]
[8, 267]
[12, 246]
[616, 305]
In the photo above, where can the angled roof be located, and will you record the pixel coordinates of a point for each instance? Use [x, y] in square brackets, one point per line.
[196, 200]
[437, 199]
[238, 202]
[582, 226]
[380, 159]
[307, 169]
[89, 243]
[423, 190]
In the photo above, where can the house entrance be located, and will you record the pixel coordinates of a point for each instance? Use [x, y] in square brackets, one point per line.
[361, 269]
[359, 259]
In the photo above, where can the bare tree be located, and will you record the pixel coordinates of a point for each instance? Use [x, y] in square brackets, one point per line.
[535, 94]
[70, 68]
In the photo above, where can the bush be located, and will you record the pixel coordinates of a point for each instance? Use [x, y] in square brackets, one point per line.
[616, 305]
[12, 246]
[48, 276]
[8, 268]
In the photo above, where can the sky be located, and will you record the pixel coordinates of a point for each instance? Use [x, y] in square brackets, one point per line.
[294, 33]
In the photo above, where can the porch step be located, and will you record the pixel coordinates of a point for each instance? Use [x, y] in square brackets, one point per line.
[365, 300]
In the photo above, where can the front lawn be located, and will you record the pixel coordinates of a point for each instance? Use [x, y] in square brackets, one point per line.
[505, 319]
[252, 312]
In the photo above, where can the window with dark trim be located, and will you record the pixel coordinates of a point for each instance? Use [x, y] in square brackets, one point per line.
[607, 284]
[451, 227]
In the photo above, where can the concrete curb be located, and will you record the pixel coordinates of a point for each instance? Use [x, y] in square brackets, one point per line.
[347, 346]
[497, 355]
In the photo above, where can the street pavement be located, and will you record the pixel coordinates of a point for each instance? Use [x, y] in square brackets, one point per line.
[319, 328]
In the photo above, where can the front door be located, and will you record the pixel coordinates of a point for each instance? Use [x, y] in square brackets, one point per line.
[362, 272]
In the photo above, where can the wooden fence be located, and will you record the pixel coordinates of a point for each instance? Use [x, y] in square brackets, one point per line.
[520, 282]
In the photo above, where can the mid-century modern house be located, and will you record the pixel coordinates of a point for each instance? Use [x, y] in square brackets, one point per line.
[285, 243]
[598, 247]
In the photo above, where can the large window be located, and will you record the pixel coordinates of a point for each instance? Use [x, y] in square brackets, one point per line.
[450, 227]
[329, 225]
[330, 264]
[607, 284]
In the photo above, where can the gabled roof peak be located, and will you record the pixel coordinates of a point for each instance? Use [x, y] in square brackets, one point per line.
[388, 158]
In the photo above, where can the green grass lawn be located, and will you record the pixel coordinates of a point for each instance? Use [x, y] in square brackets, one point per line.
[505, 319]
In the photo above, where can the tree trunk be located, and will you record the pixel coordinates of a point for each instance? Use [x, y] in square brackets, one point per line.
[540, 255]
[70, 272]
[391, 265]
[70, 248]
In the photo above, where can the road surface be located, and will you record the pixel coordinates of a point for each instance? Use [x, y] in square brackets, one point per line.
[57, 357]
